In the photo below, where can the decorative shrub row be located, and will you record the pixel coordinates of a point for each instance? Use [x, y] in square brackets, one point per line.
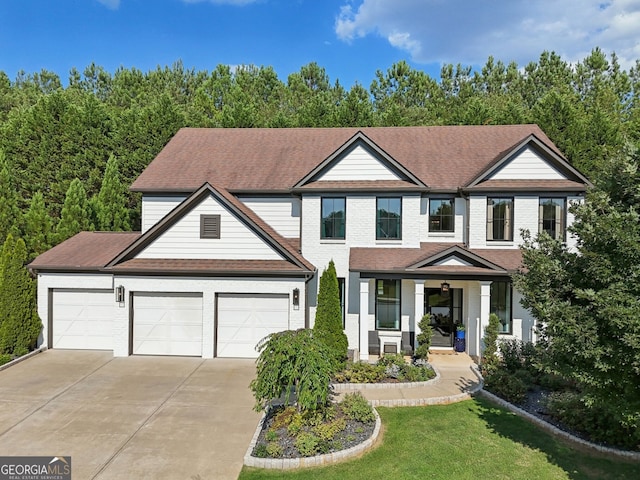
[391, 367]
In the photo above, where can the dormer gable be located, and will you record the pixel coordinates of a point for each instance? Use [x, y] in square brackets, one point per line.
[455, 256]
[360, 159]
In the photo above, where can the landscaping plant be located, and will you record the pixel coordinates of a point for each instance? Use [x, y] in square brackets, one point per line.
[424, 337]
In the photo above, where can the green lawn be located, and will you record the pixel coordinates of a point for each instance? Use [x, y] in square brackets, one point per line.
[468, 440]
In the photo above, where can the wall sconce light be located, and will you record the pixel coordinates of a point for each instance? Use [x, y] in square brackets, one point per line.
[120, 294]
[296, 298]
[444, 289]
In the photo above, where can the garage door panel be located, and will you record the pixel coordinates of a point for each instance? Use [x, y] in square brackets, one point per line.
[83, 319]
[245, 319]
[167, 324]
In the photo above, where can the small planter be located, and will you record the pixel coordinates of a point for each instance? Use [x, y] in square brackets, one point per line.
[460, 342]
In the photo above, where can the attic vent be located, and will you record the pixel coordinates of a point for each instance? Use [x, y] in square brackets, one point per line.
[209, 226]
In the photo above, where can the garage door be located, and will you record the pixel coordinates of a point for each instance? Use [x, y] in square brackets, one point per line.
[167, 324]
[244, 319]
[82, 319]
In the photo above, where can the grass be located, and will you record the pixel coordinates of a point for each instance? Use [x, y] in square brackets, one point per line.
[469, 440]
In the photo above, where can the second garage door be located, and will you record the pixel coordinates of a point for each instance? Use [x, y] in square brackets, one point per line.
[244, 319]
[167, 324]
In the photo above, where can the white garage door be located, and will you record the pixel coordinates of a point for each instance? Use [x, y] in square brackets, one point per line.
[82, 319]
[245, 319]
[167, 324]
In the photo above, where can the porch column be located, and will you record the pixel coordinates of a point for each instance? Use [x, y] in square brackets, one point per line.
[418, 309]
[364, 319]
[485, 307]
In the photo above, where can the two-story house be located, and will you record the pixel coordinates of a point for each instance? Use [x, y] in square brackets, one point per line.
[238, 225]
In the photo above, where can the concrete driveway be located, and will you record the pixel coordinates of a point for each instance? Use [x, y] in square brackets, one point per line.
[134, 417]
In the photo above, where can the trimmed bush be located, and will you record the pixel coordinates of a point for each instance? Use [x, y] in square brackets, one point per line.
[506, 385]
[328, 323]
[424, 337]
[355, 406]
[490, 360]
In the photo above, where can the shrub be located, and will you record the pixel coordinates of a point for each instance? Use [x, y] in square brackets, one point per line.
[274, 450]
[424, 337]
[356, 407]
[361, 372]
[307, 444]
[415, 373]
[326, 431]
[490, 359]
[293, 360]
[506, 385]
[4, 358]
[260, 451]
[392, 359]
[271, 436]
[328, 323]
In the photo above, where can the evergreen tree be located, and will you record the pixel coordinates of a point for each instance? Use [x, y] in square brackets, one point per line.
[76, 212]
[328, 323]
[8, 201]
[37, 227]
[111, 203]
[20, 322]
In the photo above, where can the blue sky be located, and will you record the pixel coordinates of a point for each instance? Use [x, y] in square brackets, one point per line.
[351, 39]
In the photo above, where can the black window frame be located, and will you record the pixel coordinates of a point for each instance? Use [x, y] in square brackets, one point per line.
[491, 223]
[561, 229]
[506, 306]
[342, 293]
[440, 218]
[380, 220]
[334, 220]
[396, 305]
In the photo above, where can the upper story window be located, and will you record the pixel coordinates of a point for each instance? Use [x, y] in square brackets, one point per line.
[499, 219]
[500, 304]
[441, 215]
[389, 218]
[332, 223]
[551, 217]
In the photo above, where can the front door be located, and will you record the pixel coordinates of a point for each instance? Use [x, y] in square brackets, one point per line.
[446, 313]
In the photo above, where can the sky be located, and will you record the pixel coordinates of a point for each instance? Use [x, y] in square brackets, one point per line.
[351, 39]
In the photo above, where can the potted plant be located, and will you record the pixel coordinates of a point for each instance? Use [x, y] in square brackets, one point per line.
[460, 343]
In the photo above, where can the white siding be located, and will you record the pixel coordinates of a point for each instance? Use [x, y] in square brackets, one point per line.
[236, 242]
[453, 261]
[154, 208]
[359, 165]
[525, 216]
[281, 213]
[527, 166]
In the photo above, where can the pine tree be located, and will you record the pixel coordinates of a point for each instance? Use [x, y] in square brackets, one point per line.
[20, 322]
[76, 215]
[111, 202]
[9, 212]
[328, 323]
[37, 227]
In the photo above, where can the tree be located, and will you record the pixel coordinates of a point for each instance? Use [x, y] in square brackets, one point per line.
[328, 323]
[588, 300]
[76, 214]
[424, 337]
[490, 358]
[20, 325]
[37, 227]
[9, 212]
[111, 203]
[292, 364]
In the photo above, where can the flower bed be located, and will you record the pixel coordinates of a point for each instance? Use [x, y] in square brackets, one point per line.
[388, 369]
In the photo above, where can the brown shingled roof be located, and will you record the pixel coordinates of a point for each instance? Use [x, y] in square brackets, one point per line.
[264, 159]
[85, 251]
[527, 185]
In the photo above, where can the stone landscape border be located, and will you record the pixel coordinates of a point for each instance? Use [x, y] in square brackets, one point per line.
[626, 454]
[316, 461]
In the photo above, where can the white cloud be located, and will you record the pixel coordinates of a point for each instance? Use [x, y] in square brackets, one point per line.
[468, 31]
[238, 3]
[112, 4]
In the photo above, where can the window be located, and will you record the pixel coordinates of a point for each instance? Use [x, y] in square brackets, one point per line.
[332, 224]
[500, 304]
[551, 217]
[209, 226]
[341, 291]
[500, 219]
[441, 215]
[389, 218]
[388, 304]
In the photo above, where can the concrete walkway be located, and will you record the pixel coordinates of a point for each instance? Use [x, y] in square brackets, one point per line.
[458, 379]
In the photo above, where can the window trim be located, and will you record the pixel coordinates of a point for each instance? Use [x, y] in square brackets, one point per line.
[509, 320]
[399, 297]
[342, 291]
[204, 233]
[322, 219]
[453, 214]
[490, 224]
[563, 223]
[378, 219]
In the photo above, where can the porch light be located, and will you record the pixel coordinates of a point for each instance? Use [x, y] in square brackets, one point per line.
[296, 297]
[120, 294]
[444, 289]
